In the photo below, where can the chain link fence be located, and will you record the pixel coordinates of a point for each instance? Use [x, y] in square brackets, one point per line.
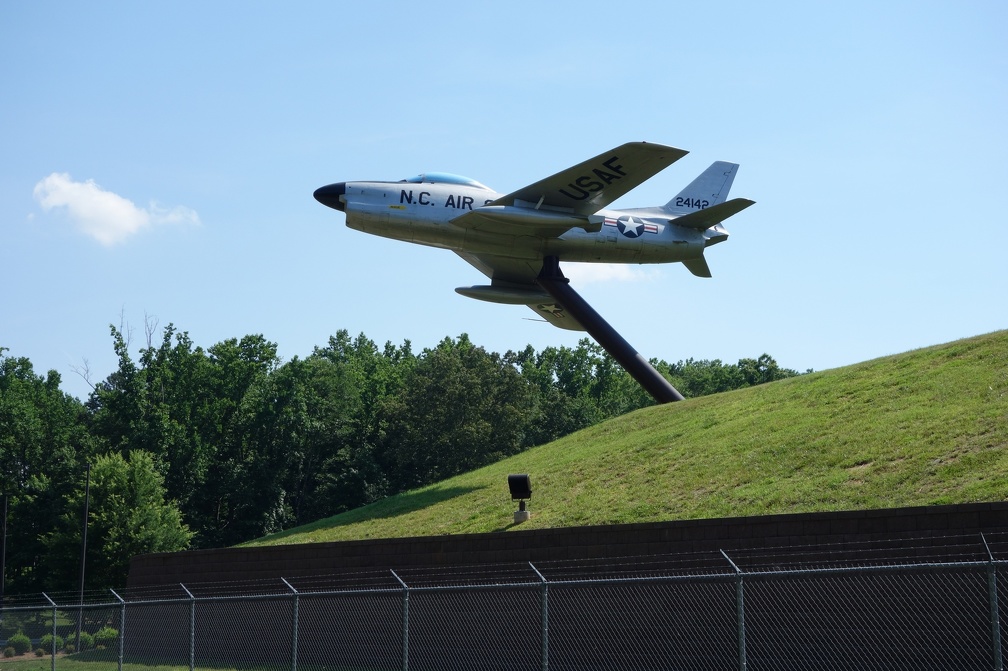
[898, 605]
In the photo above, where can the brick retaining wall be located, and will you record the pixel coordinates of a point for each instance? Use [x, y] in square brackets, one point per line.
[623, 540]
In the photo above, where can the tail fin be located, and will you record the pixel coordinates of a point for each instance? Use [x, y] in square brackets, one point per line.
[710, 188]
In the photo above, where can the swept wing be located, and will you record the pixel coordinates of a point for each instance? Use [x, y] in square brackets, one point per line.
[563, 201]
[512, 281]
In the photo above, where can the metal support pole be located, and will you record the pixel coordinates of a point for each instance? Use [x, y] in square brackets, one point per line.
[192, 628]
[740, 612]
[3, 552]
[83, 554]
[995, 620]
[53, 604]
[545, 618]
[294, 625]
[122, 627]
[553, 281]
[405, 622]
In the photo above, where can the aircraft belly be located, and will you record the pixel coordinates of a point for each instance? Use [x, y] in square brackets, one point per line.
[377, 222]
[600, 247]
[437, 234]
[512, 246]
[611, 247]
[578, 246]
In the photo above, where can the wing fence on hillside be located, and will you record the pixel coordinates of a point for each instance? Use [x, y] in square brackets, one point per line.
[900, 605]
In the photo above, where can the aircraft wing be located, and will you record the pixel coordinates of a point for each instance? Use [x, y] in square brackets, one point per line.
[592, 185]
[513, 281]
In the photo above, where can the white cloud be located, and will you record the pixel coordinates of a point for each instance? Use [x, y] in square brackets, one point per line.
[588, 273]
[105, 216]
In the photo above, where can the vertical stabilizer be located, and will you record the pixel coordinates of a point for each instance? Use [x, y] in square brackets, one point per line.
[710, 188]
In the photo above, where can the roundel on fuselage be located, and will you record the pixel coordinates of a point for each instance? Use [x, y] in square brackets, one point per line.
[630, 227]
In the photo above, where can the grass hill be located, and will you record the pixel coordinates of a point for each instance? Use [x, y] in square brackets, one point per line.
[922, 428]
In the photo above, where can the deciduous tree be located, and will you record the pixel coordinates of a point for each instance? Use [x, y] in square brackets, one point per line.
[128, 515]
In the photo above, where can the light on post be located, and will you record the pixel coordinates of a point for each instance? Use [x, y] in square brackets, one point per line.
[521, 489]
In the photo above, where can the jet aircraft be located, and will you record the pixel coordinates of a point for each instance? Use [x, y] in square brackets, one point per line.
[509, 237]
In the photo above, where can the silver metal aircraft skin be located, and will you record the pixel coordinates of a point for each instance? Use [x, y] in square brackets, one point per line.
[506, 237]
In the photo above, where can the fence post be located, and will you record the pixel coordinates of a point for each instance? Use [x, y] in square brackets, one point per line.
[739, 612]
[53, 604]
[545, 618]
[992, 597]
[192, 628]
[294, 625]
[405, 622]
[122, 627]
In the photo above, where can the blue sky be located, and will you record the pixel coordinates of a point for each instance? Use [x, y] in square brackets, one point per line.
[159, 161]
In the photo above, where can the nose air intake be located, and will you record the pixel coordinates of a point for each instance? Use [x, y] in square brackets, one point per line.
[330, 195]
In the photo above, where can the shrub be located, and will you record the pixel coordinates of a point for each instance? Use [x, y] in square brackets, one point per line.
[8, 651]
[20, 643]
[69, 648]
[46, 642]
[86, 641]
[39, 652]
[105, 637]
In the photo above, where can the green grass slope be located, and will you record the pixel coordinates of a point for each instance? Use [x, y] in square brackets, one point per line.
[922, 428]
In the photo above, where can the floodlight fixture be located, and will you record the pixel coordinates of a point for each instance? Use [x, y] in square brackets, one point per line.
[521, 489]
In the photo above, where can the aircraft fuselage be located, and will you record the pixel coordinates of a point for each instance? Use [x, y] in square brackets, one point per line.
[422, 213]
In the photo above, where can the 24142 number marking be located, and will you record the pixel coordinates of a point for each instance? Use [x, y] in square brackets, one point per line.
[694, 203]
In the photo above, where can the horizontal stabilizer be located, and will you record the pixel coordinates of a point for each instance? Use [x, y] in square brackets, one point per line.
[701, 220]
[698, 266]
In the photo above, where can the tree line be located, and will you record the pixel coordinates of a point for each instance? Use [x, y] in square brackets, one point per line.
[185, 447]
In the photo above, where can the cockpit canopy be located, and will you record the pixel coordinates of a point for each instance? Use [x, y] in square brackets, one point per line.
[444, 178]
